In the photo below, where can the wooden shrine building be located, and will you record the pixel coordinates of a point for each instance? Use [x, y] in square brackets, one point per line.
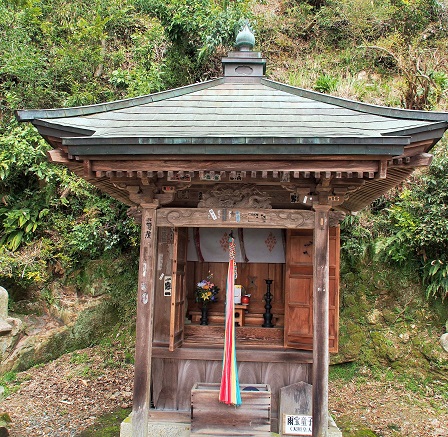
[277, 165]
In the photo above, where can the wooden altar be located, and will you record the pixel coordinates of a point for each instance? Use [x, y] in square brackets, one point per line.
[238, 152]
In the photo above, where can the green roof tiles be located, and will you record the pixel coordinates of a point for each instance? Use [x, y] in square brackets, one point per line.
[257, 112]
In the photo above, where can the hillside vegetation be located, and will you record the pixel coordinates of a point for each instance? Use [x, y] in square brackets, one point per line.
[58, 235]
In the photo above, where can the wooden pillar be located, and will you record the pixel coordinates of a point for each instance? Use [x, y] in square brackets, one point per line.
[145, 320]
[321, 355]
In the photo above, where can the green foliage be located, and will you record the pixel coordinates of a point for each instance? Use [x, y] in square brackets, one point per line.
[107, 425]
[50, 220]
[96, 277]
[326, 83]
[411, 17]
[195, 29]
[298, 18]
[435, 275]
[420, 62]
[199, 24]
[79, 358]
[56, 54]
[413, 227]
[17, 224]
[343, 22]
[356, 240]
[348, 22]
[345, 371]
[118, 349]
[10, 382]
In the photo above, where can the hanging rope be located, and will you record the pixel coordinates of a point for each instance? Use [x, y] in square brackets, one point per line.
[229, 392]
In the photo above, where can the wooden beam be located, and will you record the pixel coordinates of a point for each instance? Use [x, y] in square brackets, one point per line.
[420, 160]
[145, 318]
[237, 157]
[88, 173]
[235, 217]
[317, 165]
[57, 156]
[321, 356]
[246, 353]
[383, 169]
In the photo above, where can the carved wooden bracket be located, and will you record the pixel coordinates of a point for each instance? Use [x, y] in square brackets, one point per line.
[165, 198]
[135, 212]
[336, 217]
[138, 194]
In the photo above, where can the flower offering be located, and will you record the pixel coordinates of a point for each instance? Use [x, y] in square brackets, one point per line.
[206, 290]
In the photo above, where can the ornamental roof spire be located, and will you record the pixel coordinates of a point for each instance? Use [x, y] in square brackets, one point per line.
[245, 40]
[244, 62]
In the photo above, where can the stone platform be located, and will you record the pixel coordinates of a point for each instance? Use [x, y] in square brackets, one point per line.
[164, 426]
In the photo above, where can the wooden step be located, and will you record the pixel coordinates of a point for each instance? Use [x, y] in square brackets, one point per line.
[250, 319]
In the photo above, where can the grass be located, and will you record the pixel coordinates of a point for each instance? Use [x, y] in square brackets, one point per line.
[79, 358]
[346, 372]
[107, 425]
[10, 382]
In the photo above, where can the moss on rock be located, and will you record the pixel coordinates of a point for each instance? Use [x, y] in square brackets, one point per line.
[88, 329]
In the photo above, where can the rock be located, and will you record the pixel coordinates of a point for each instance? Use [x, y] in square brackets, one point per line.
[5, 419]
[405, 337]
[3, 303]
[362, 75]
[5, 327]
[26, 351]
[10, 327]
[444, 341]
[374, 317]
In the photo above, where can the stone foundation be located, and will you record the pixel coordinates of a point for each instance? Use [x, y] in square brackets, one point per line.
[164, 428]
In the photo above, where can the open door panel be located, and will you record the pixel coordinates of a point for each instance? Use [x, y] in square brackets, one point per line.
[299, 289]
[178, 288]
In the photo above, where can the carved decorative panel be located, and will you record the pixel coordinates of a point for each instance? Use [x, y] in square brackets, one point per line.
[230, 217]
[235, 196]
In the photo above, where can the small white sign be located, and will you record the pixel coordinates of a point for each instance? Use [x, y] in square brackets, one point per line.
[212, 213]
[167, 286]
[237, 296]
[297, 424]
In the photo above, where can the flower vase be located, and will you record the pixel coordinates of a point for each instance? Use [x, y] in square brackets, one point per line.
[204, 315]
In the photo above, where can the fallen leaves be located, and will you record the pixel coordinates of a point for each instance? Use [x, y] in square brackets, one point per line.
[54, 402]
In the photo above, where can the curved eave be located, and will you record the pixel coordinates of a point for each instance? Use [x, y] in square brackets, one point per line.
[375, 188]
[384, 111]
[385, 146]
[34, 114]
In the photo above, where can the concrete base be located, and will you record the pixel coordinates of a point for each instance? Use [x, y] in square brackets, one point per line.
[333, 430]
[157, 428]
[164, 428]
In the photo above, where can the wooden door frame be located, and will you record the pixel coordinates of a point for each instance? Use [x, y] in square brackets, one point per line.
[235, 218]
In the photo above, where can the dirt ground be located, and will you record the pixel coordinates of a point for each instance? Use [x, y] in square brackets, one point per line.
[387, 408]
[66, 396]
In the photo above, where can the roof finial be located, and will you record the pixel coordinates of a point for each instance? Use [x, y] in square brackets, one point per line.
[245, 40]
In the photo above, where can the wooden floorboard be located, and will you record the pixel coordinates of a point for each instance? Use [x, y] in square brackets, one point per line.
[169, 416]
